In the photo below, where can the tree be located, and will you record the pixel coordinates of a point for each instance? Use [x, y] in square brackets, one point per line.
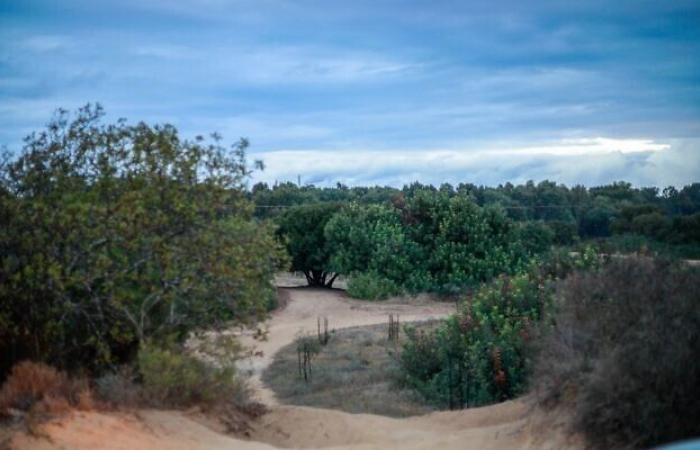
[114, 234]
[371, 239]
[302, 230]
[428, 241]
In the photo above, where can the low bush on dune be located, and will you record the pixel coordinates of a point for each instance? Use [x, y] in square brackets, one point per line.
[164, 375]
[479, 355]
[37, 388]
[173, 378]
[371, 286]
[482, 354]
[624, 353]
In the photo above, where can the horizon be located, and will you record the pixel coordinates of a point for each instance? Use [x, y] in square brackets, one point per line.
[379, 93]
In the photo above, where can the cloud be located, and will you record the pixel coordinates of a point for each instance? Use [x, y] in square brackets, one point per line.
[46, 43]
[276, 64]
[493, 91]
[590, 162]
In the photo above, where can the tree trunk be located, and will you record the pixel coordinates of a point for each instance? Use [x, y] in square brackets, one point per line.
[319, 278]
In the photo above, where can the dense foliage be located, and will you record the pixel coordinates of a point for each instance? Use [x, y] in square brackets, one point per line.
[624, 353]
[482, 354]
[669, 216]
[426, 242]
[112, 234]
[302, 230]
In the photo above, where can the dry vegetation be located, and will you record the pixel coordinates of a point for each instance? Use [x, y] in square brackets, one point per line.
[623, 355]
[355, 372]
[163, 378]
[34, 393]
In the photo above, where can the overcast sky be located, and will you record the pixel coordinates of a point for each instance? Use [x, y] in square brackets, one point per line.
[380, 91]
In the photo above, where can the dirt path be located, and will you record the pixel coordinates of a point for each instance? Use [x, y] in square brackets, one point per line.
[300, 316]
[508, 425]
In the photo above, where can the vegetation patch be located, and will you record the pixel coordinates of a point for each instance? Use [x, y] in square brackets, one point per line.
[356, 371]
[482, 354]
[623, 353]
[371, 286]
[115, 234]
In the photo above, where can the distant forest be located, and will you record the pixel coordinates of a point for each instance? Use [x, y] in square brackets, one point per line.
[635, 218]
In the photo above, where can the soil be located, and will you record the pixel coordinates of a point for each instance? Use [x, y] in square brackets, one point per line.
[504, 426]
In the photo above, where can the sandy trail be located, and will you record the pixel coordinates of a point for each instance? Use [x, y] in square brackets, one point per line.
[300, 316]
[508, 425]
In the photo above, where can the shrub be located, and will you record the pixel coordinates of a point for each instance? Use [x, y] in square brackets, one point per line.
[172, 377]
[35, 385]
[120, 388]
[479, 355]
[371, 286]
[428, 241]
[624, 353]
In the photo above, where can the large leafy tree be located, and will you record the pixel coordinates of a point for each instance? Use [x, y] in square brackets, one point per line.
[427, 241]
[372, 239]
[302, 230]
[112, 234]
[464, 244]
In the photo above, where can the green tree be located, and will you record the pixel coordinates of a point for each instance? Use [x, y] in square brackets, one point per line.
[302, 230]
[114, 234]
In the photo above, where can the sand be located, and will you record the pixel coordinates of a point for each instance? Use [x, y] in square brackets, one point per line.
[509, 425]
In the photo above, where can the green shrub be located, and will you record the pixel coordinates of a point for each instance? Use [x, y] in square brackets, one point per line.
[371, 286]
[172, 377]
[479, 355]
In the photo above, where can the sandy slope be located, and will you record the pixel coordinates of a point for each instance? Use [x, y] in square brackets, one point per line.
[504, 426]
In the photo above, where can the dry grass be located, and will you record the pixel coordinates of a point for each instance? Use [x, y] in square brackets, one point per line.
[357, 372]
[40, 388]
[35, 393]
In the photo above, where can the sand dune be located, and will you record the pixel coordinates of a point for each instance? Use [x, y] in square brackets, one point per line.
[509, 425]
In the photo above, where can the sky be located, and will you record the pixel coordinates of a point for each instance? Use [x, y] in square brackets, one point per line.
[379, 92]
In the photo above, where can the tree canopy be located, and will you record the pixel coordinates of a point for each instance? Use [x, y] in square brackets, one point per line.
[114, 234]
[302, 229]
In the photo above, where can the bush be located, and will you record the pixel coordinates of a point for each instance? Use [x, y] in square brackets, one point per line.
[479, 355]
[370, 286]
[34, 385]
[624, 353]
[120, 388]
[172, 377]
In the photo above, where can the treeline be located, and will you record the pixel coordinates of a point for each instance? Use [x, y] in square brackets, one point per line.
[446, 240]
[670, 216]
[114, 235]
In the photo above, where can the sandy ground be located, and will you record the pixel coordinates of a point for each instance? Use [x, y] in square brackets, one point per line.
[510, 425]
[301, 314]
